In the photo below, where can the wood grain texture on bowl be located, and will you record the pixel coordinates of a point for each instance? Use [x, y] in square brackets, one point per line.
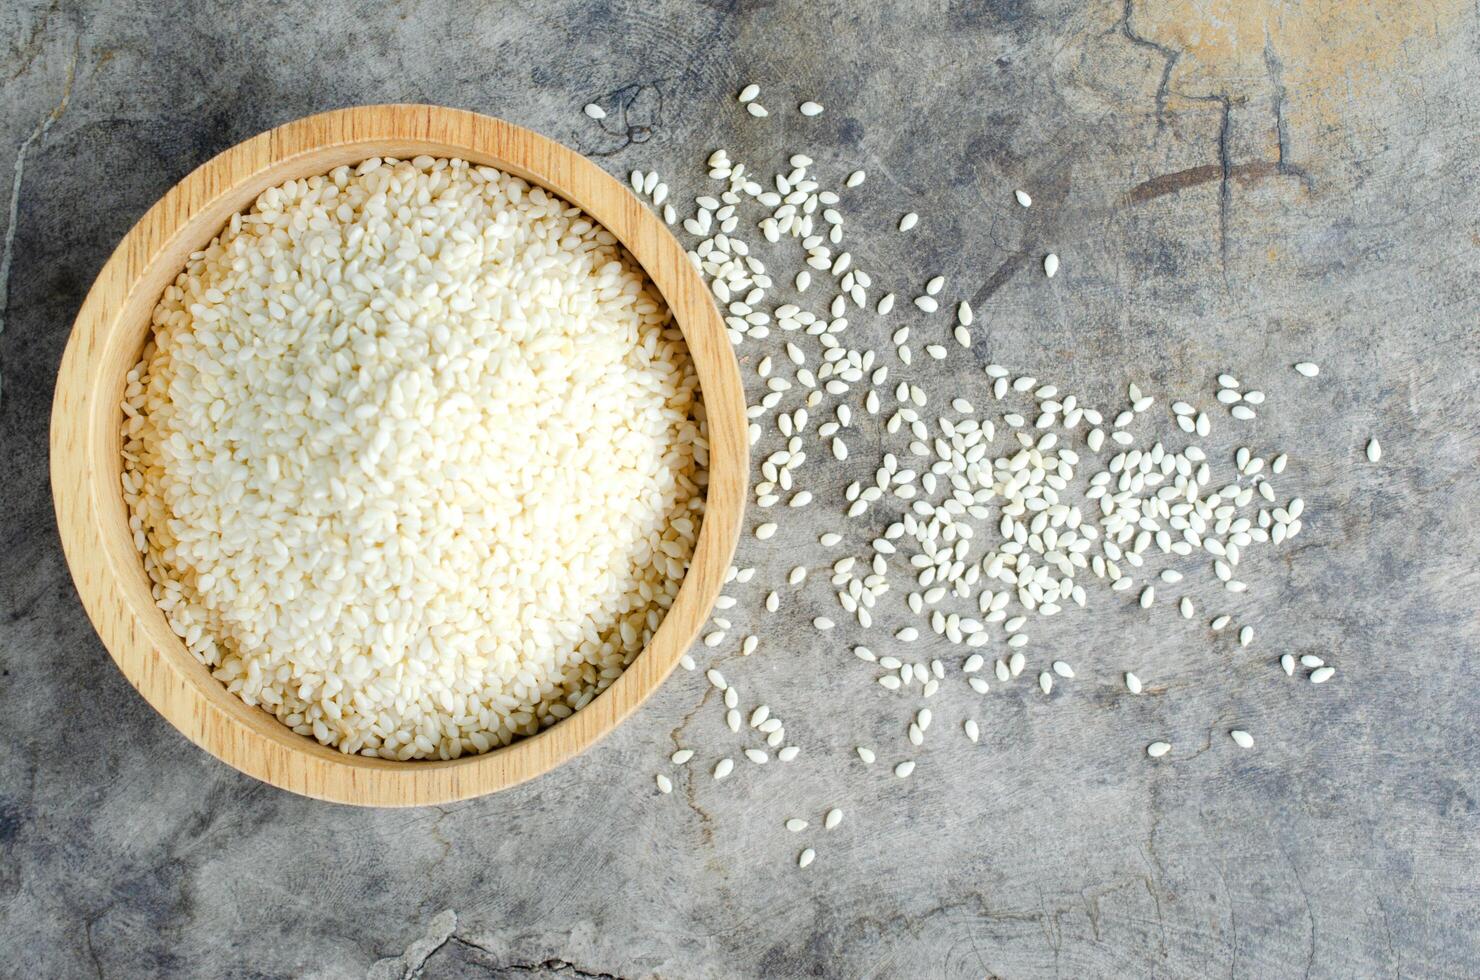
[110, 332]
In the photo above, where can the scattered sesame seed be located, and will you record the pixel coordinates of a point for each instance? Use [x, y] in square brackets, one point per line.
[1158, 749]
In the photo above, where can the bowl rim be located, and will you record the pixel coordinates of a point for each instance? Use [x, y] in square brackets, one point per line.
[109, 332]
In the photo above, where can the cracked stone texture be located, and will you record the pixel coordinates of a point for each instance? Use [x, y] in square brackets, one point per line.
[1231, 186]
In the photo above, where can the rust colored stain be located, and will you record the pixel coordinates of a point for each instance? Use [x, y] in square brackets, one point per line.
[1182, 179]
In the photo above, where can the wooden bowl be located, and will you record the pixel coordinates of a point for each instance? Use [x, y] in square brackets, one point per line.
[108, 338]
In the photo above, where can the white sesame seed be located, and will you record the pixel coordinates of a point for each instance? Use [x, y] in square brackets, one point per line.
[796, 825]
[822, 623]
[1158, 749]
[1045, 682]
[723, 768]
[1287, 664]
[833, 818]
[1243, 738]
[810, 109]
[1321, 675]
[788, 753]
[973, 732]
[908, 221]
[866, 754]
[595, 111]
[1218, 623]
[757, 756]
[904, 769]
[1308, 368]
[1023, 198]
[665, 785]
[1132, 683]
[749, 92]
[806, 857]
[1050, 264]
[1374, 450]
[855, 178]
[756, 109]
[1245, 636]
[927, 304]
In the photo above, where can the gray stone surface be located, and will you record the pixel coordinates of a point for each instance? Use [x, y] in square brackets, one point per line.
[1231, 186]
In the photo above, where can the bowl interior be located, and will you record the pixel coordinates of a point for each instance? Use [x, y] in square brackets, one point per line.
[113, 327]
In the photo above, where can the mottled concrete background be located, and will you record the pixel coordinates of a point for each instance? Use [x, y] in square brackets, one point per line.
[1232, 185]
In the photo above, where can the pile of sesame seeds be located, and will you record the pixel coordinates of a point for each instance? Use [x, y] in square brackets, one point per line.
[979, 516]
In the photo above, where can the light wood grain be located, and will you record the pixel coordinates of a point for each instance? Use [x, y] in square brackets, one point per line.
[85, 465]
